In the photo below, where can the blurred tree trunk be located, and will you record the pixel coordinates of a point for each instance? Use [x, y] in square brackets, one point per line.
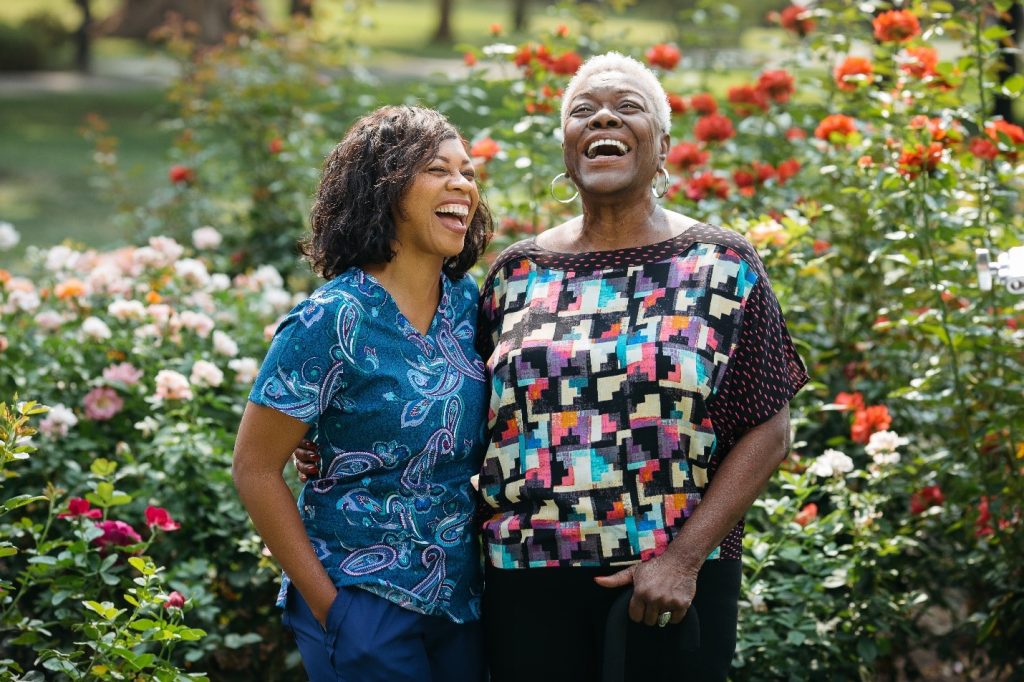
[302, 8]
[443, 34]
[519, 15]
[1011, 20]
[138, 18]
[83, 38]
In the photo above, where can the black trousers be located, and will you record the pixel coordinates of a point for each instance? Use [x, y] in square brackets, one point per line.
[548, 625]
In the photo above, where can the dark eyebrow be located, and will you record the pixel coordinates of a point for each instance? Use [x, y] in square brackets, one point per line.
[445, 159]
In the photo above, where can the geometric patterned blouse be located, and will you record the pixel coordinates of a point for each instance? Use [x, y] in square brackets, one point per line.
[620, 380]
[398, 418]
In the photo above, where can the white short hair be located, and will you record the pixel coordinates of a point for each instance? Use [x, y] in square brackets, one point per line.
[638, 74]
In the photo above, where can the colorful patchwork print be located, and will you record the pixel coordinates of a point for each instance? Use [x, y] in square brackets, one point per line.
[608, 372]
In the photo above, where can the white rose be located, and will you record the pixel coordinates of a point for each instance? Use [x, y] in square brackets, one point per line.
[192, 271]
[96, 329]
[830, 463]
[9, 237]
[245, 370]
[206, 374]
[206, 237]
[126, 310]
[224, 344]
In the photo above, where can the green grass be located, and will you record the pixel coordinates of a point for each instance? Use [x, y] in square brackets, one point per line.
[45, 186]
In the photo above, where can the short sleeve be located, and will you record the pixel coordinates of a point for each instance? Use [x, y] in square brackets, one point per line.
[300, 376]
[764, 370]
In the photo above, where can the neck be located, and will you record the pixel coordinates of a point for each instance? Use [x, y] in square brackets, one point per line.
[415, 281]
[617, 224]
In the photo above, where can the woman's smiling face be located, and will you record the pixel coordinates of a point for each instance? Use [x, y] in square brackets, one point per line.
[439, 204]
[613, 140]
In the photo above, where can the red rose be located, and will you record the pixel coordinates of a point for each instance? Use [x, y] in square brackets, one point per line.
[896, 26]
[496, 29]
[778, 85]
[704, 103]
[821, 246]
[796, 134]
[797, 18]
[79, 506]
[838, 125]
[687, 156]
[179, 174]
[713, 128]
[747, 99]
[567, 64]
[469, 59]
[787, 169]
[983, 524]
[663, 55]
[919, 62]
[485, 149]
[983, 149]
[701, 186]
[523, 56]
[561, 30]
[850, 401]
[1005, 132]
[677, 104]
[161, 518]
[275, 146]
[919, 159]
[858, 69]
[807, 514]
[868, 421]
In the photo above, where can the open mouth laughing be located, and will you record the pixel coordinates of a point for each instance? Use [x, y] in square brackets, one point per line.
[606, 147]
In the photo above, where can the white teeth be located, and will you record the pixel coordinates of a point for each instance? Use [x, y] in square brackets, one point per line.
[613, 143]
[457, 209]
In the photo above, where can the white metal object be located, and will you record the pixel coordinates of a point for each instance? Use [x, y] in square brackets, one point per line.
[1008, 270]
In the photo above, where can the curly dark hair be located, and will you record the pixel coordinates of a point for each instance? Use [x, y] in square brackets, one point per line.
[365, 177]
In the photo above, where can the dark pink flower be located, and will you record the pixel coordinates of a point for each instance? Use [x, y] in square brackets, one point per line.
[175, 600]
[159, 517]
[116, 533]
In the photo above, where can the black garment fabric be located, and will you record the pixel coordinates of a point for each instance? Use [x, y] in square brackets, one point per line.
[548, 625]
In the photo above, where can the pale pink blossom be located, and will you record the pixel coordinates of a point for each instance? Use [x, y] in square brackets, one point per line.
[267, 277]
[201, 324]
[245, 370]
[171, 385]
[160, 312]
[767, 232]
[271, 329]
[57, 421]
[9, 237]
[124, 373]
[167, 246]
[192, 271]
[96, 329]
[148, 257]
[49, 319]
[277, 300]
[830, 463]
[224, 344]
[206, 374]
[219, 282]
[60, 258]
[206, 237]
[102, 403]
[126, 310]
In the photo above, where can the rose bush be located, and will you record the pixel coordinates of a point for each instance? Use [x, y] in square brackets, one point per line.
[865, 179]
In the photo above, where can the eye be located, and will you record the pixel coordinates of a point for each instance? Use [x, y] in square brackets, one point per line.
[438, 169]
[630, 105]
[469, 173]
[581, 109]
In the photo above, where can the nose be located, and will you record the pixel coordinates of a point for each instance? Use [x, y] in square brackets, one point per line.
[458, 181]
[605, 118]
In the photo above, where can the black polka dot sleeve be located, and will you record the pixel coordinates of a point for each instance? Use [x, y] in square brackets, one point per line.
[764, 370]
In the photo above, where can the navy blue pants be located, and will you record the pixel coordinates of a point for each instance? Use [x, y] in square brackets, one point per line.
[369, 639]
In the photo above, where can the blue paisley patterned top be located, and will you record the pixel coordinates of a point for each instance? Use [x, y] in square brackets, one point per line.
[398, 418]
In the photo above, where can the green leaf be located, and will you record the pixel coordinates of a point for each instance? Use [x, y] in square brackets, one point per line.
[19, 501]
[7, 549]
[867, 650]
[996, 33]
[144, 624]
[1013, 85]
[103, 468]
[236, 641]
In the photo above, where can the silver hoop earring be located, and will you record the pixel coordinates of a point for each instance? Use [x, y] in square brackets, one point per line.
[554, 193]
[659, 192]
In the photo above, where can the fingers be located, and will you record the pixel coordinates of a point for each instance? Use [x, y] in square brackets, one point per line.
[624, 577]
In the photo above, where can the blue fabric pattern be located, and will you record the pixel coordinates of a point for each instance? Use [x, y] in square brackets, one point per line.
[398, 418]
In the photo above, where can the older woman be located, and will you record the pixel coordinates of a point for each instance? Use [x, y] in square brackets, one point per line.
[378, 368]
[640, 379]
